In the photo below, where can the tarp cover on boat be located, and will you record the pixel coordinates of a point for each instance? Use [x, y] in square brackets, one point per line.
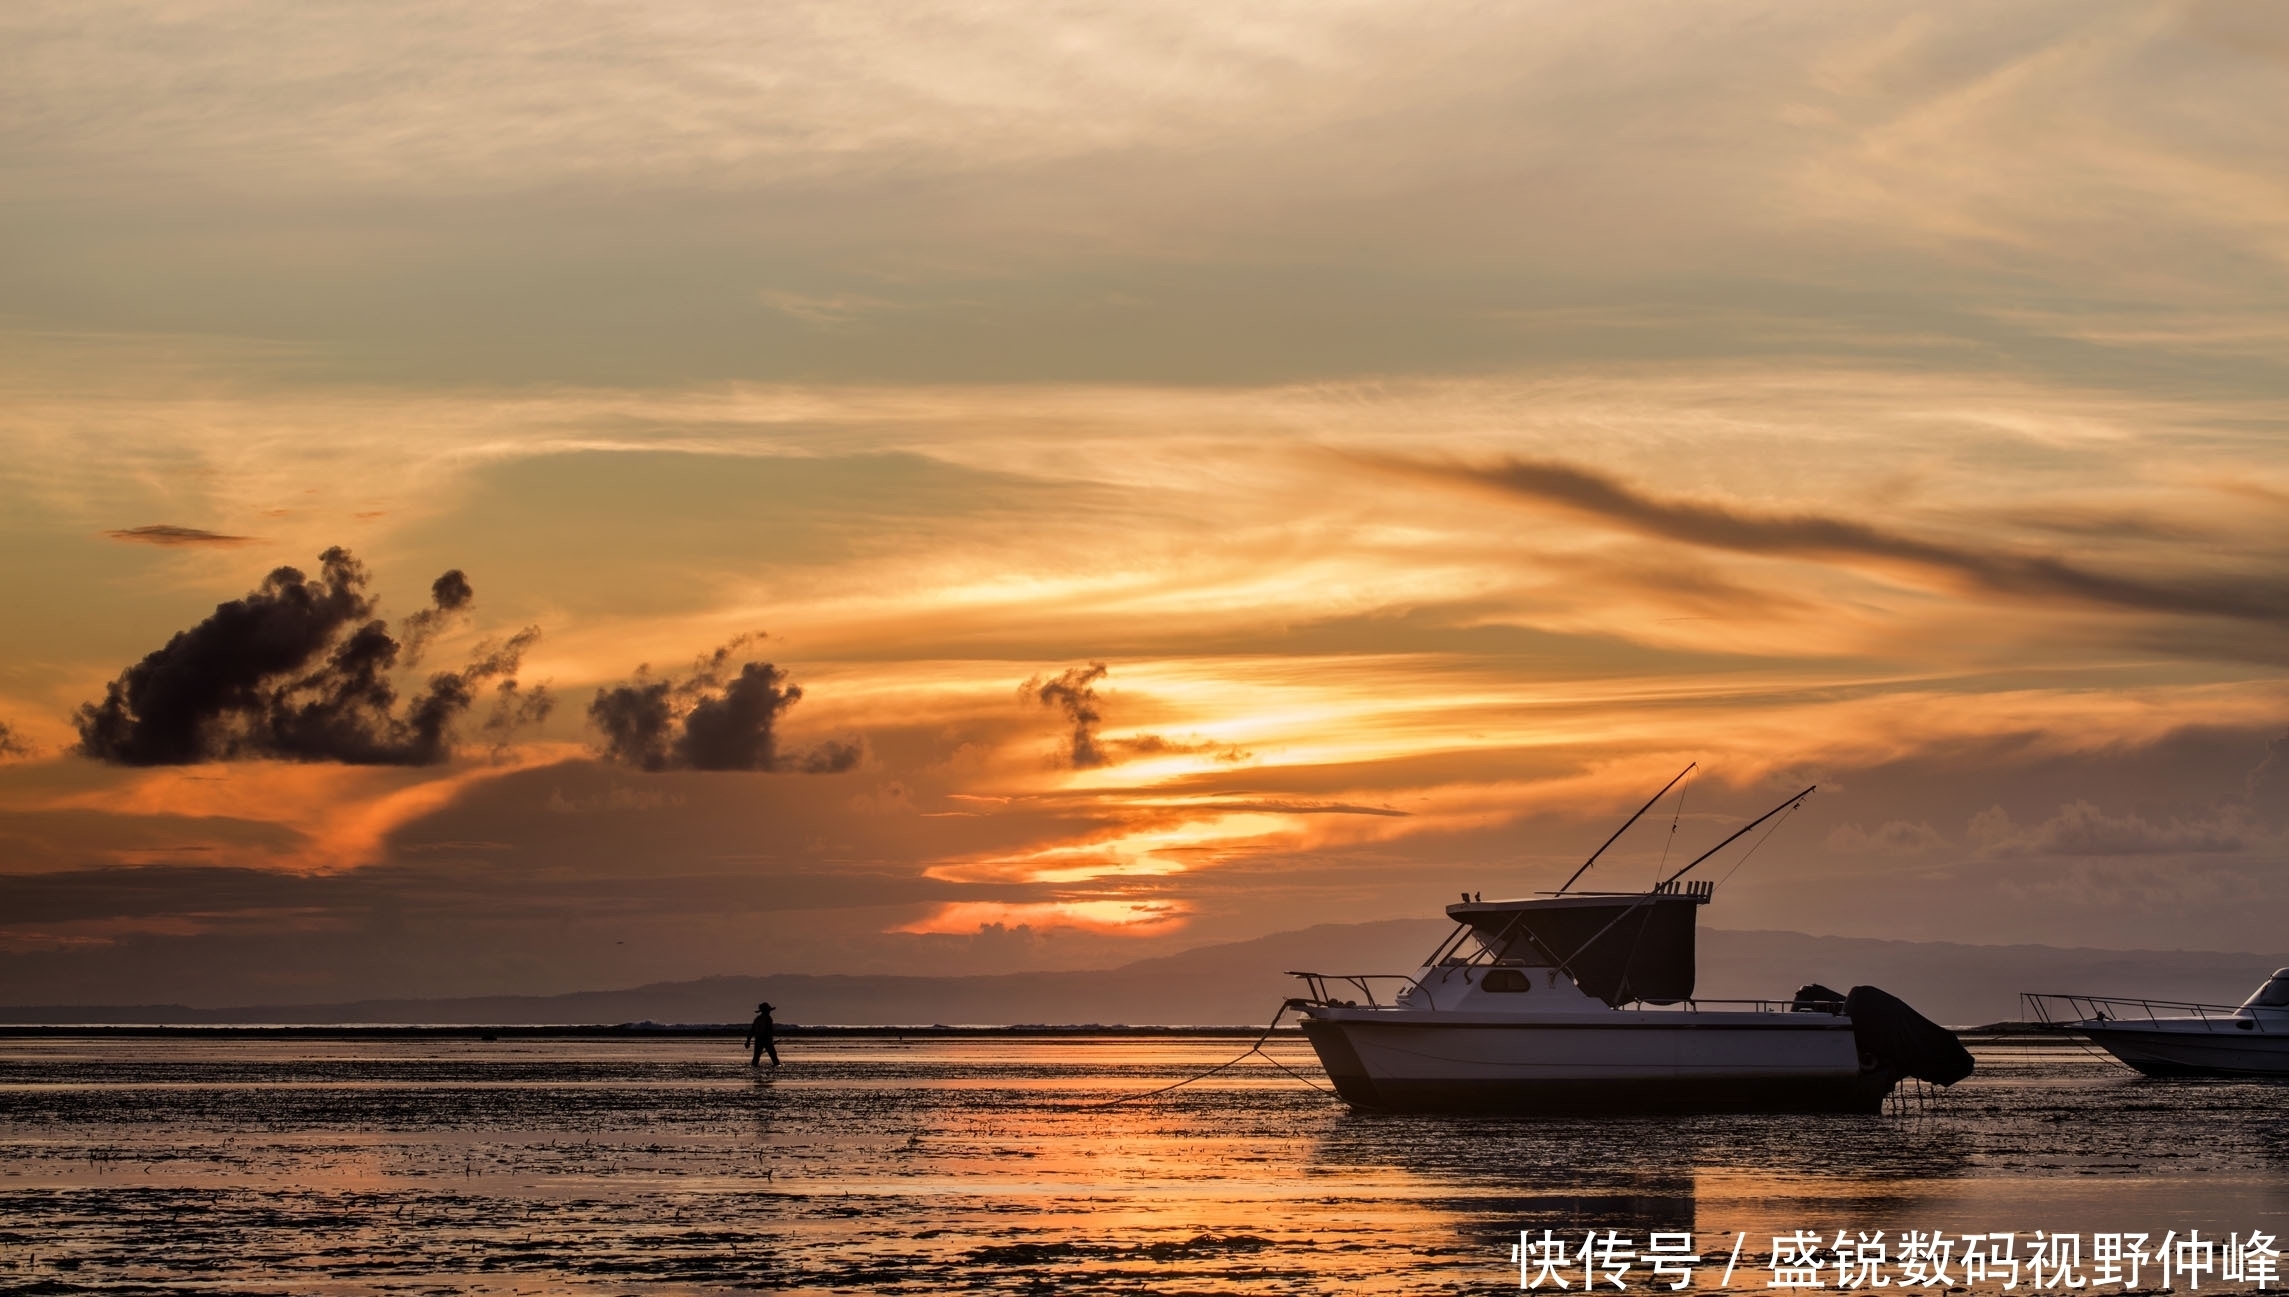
[1619, 948]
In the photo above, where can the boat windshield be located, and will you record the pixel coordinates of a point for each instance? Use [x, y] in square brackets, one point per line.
[2273, 995]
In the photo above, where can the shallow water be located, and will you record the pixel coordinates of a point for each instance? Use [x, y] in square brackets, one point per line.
[969, 1165]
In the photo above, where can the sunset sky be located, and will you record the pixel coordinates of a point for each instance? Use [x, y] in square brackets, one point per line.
[1442, 423]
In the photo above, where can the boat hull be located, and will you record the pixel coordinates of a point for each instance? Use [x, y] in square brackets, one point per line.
[2182, 1053]
[1721, 1063]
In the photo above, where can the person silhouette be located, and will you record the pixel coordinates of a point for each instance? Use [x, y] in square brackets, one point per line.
[759, 1035]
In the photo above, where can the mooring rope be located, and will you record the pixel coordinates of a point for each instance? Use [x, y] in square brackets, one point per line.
[1256, 1048]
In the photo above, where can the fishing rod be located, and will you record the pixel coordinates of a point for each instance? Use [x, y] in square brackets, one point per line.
[1736, 835]
[1625, 828]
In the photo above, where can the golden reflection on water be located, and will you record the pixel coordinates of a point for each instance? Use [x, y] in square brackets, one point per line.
[980, 1163]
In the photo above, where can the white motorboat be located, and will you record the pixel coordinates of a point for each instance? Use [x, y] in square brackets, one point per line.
[2171, 1038]
[1583, 1001]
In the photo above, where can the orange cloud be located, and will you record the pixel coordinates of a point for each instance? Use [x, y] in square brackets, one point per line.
[340, 817]
[1125, 918]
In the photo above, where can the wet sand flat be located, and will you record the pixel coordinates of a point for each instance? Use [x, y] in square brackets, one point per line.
[930, 1165]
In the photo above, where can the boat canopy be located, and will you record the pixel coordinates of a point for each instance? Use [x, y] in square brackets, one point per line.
[1618, 946]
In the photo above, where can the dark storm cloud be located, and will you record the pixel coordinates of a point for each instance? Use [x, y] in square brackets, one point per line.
[1160, 745]
[515, 708]
[448, 595]
[1717, 526]
[715, 718]
[732, 730]
[831, 757]
[10, 745]
[1074, 692]
[167, 534]
[299, 669]
[637, 721]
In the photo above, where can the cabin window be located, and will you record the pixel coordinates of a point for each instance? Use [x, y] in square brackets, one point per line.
[1506, 979]
[2272, 995]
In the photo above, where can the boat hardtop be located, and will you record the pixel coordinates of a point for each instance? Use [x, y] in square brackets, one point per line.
[1617, 947]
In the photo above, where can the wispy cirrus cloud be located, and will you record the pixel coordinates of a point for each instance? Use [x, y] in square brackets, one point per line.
[2082, 829]
[1711, 524]
[170, 535]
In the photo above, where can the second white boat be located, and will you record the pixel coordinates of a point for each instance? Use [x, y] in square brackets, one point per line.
[2175, 1039]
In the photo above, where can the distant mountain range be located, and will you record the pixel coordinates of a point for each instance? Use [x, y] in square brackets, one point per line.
[1242, 983]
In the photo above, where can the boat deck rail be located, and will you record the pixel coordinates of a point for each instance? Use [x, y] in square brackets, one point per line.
[1833, 1008]
[2059, 1009]
[1364, 982]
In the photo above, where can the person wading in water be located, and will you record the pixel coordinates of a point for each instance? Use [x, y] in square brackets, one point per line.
[759, 1035]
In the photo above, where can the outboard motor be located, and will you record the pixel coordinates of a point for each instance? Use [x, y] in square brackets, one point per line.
[1895, 1037]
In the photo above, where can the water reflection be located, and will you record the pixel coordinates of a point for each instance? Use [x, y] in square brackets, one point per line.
[1716, 1176]
[579, 1166]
